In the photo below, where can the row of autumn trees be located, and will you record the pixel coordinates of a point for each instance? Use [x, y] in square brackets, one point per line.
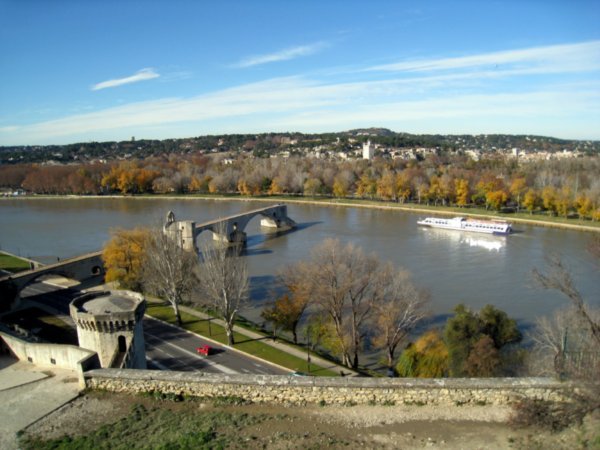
[564, 188]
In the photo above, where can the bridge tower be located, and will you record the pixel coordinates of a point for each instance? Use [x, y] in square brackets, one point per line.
[181, 231]
[110, 323]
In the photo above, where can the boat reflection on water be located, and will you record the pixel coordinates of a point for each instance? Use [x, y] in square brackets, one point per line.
[488, 242]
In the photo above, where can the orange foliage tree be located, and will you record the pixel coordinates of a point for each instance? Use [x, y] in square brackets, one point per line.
[124, 255]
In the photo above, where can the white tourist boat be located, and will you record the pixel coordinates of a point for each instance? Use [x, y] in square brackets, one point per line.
[463, 224]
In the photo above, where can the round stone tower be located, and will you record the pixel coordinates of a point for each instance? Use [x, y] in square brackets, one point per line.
[110, 323]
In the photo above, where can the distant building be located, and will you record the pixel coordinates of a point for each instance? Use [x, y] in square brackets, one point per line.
[368, 150]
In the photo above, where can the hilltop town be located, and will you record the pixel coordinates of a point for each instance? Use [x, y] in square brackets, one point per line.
[334, 146]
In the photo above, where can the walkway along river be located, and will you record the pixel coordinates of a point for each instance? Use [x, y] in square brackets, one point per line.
[455, 267]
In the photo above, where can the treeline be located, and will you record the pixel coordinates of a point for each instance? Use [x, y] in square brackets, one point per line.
[557, 187]
[266, 144]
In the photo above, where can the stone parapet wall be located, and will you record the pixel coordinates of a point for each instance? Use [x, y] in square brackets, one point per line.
[285, 389]
[61, 356]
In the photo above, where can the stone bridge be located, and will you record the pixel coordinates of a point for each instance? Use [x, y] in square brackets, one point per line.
[227, 229]
[80, 268]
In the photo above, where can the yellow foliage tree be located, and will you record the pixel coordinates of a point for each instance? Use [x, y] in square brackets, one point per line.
[339, 188]
[275, 187]
[549, 195]
[517, 189]
[403, 186]
[367, 186]
[123, 256]
[198, 184]
[563, 201]
[584, 206]
[496, 199]
[461, 188]
[426, 358]
[386, 186]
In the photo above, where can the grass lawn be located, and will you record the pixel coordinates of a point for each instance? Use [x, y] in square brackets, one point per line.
[12, 263]
[243, 342]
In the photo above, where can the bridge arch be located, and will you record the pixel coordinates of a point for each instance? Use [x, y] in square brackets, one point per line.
[79, 268]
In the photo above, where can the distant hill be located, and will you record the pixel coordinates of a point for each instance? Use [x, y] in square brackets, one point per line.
[267, 143]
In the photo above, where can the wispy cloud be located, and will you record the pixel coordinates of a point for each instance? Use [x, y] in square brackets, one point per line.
[474, 96]
[550, 59]
[141, 75]
[282, 55]
[301, 104]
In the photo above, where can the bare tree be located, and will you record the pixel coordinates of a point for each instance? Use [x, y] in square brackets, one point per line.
[401, 308]
[223, 277]
[169, 271]
[558, 277]
[564, 345]
[287, 311]
[343, 284]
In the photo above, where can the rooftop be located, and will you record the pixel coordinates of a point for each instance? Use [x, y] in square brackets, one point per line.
[110, 303]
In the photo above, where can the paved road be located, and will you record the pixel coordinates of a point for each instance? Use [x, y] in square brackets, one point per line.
[167, 347]
[173, 348]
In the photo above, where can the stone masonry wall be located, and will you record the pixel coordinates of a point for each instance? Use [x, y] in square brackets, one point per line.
[285, 389]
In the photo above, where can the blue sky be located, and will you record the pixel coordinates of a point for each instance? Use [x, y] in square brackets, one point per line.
[79, 71]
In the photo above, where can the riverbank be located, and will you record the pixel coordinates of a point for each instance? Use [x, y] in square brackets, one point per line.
[524, 218]
[10, 263]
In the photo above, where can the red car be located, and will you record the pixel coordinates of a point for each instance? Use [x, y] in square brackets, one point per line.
[204, 350]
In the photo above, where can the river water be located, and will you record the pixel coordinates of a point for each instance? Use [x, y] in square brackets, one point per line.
[455, 267]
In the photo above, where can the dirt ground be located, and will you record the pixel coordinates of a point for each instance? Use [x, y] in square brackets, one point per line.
[381, 427]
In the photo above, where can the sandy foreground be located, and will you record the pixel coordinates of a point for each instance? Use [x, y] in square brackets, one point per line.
[410, 427]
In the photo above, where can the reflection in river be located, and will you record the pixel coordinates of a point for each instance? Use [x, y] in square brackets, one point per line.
[488, 242]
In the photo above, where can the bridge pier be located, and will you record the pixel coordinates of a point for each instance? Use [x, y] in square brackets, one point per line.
[236, 237]
[277, 224]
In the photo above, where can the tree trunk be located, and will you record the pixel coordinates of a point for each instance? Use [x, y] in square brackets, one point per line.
[230, 338]
[177, 314]
[355, 361]
[390, 357]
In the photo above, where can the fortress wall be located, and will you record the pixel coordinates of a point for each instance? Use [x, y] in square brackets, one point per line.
[61, 356]
[289, 390]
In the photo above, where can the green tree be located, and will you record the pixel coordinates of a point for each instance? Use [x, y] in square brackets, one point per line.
[484, 359]
[466, 329]
[460, 334]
